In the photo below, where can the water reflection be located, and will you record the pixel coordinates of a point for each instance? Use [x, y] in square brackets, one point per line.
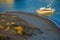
[1, 9]
[7, 4]
[30, 6]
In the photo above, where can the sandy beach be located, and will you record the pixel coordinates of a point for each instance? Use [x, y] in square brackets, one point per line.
[50, 30]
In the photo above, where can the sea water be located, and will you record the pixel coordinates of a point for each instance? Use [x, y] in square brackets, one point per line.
[31, 6]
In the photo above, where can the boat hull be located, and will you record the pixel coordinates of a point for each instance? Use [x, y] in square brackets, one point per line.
[46, 13]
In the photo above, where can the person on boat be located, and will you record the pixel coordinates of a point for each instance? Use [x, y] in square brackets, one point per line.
[46, 8]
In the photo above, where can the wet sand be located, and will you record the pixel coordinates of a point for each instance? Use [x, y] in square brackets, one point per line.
[50, 30]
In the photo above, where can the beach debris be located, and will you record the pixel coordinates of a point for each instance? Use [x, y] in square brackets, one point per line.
[3, 37]
[19, 26]
[1, 27]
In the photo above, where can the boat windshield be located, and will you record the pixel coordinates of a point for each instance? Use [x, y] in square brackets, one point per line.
[44, 8]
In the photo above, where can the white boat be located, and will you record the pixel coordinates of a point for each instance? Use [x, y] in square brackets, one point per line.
[45, 11]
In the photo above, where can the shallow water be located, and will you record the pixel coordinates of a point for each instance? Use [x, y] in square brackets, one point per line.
[31, 6]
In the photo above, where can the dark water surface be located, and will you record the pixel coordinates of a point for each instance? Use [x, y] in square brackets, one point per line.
[31, 6]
